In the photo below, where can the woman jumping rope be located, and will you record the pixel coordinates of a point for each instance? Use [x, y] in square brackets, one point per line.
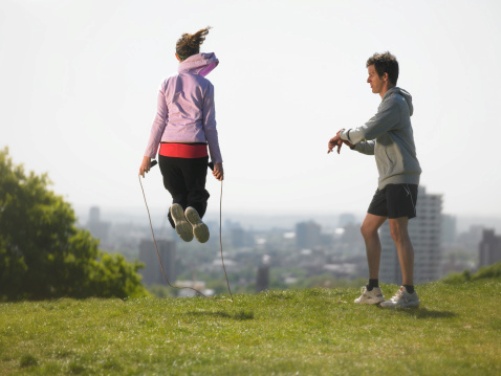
[185, 124]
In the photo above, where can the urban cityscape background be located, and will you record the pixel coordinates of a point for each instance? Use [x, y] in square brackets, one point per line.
[270, 252]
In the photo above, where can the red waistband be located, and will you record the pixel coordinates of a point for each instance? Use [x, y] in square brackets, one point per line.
[168, 149]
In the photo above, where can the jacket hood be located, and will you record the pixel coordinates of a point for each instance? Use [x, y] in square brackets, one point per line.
[404, 93]
[201, 64]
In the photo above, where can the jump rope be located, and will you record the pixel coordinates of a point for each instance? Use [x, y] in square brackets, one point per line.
[162, 269]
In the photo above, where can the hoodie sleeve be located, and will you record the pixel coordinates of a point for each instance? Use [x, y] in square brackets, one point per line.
[365, 147]
[386, 118]
[157, 129]
[209, 121]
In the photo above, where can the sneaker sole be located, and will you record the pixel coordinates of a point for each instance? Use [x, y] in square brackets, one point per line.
[200, 229]
[183, 227]
[369, 302]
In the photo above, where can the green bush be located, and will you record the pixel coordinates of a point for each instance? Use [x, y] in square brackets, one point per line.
[487, 272]
[43, 254]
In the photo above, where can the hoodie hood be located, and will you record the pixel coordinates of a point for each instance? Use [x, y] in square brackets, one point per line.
[407, 96]
[201, 64]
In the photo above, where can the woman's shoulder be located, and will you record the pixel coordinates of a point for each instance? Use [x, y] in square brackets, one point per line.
[165, 81]
[185, 80]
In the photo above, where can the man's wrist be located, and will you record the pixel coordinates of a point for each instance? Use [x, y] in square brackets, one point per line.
[344, 135]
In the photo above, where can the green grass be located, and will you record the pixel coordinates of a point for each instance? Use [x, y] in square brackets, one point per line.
[456, 331]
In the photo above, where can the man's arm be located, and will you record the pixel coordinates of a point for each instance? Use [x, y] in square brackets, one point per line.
[365, 147]
[387, 117]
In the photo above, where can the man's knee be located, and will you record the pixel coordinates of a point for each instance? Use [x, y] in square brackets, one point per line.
[368, 231]
[371, 225]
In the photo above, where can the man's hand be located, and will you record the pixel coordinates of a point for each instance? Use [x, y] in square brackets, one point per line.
[335, 141]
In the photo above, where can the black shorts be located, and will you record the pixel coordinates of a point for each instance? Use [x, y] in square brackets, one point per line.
[395, 201]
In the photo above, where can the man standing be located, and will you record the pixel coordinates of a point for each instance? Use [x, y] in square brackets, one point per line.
[389, 137]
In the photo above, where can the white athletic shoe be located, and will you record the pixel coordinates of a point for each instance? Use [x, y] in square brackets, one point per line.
[375, 296]
[402, 299]
[200, 229]
[183, 227]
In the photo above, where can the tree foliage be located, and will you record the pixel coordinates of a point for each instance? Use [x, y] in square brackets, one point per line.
[42, 252]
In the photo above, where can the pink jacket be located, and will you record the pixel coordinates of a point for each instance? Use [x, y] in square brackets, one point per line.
[185, 110]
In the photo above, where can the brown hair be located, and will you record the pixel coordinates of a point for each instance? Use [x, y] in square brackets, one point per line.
[385, 63]
[189, 44]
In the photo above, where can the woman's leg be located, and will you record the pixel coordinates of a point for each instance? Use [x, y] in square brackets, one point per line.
[195, 175]
[173, 180]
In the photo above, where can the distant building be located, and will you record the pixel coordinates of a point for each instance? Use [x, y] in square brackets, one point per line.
[425, 234]
[96, 227]
[449, 225]
[152, 272]
[489, 248]
[346, 219]
[470, 239]
[308, 235]
[263, 274]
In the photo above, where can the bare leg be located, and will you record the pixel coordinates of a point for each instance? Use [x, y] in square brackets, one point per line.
[370, 234]
[405, 251]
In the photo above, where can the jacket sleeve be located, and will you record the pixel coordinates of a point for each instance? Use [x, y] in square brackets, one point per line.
[209, 124]
[365, 147]
[386, 118]
[159, 124]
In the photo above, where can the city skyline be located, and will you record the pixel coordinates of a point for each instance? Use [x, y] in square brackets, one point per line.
[309, 246]
[139, 216]
[80, 79]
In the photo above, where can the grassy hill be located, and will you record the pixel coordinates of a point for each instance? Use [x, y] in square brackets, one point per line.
[456, 331]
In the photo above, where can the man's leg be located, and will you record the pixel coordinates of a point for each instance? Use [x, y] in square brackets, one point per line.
[369, 230]
[405, 251]
[405, 297]
[371, 294]
[402, 206]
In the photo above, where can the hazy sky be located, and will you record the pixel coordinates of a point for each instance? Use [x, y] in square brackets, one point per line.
[79, 81]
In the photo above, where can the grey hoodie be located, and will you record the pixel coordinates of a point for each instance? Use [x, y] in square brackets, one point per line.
[389, 137]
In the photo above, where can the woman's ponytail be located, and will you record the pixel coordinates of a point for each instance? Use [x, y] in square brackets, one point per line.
[189, 44]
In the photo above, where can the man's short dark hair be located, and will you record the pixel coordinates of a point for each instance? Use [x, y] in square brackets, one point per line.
[385, 63]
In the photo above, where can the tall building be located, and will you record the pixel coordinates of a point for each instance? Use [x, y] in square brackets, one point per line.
[263, 274]
[96, 227]
[425, 234]
[489, 248]
[449, 225]
[152, 272]
[308, 234]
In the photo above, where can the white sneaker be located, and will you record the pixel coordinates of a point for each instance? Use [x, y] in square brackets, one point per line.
[375, 296]
[183, 227]
[402, 299]
[200, 229]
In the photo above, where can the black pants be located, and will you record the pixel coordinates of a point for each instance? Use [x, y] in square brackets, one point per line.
[185, 178]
